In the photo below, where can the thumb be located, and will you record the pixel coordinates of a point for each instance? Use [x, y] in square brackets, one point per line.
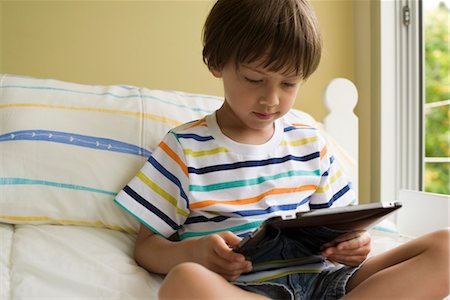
[230, 238]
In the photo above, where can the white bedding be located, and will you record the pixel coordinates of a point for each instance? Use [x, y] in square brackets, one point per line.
[6, 234]
[62, 262]
[76, 262]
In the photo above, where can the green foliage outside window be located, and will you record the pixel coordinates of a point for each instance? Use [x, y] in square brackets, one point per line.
[437, 88]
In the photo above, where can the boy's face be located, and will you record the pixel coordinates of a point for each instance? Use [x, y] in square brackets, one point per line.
[254, 98]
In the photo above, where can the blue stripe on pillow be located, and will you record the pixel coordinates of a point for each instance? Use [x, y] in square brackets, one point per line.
[75, 140]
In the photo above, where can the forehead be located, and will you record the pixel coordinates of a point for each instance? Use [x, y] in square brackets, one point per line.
[259, 67]
[267, 63]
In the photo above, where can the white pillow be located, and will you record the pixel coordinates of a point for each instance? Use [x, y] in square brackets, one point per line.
[66, 149]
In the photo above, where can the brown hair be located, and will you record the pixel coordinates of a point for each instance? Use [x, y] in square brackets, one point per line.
[283, 34]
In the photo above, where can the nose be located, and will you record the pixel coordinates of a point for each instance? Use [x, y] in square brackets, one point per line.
[269, 97]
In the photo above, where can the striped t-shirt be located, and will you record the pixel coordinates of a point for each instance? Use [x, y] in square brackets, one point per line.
[198, 181]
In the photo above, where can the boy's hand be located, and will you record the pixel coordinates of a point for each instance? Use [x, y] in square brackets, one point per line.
[214, 252]
[350, 249]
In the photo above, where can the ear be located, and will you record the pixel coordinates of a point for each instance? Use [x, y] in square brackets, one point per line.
[216, 73]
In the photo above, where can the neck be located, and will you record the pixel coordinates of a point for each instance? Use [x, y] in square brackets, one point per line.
[232, 127]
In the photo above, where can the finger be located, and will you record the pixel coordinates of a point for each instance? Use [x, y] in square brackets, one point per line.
[221, 248]
[349, 253]
[364, 250]
[342, 238]
[232, 269]
[348, 260]
[230, 238]
[355, 243]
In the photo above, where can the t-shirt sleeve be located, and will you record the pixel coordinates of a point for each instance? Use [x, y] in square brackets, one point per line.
[334, 188]
[156, 196]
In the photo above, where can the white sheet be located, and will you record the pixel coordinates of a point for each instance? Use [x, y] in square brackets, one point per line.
[76, 262]
[62, 262]
[6, 237]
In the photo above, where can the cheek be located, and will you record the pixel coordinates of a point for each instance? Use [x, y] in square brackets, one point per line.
[239, 94]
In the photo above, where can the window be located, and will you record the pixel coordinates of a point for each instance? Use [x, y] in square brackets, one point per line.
[436, 96]
[414, 93]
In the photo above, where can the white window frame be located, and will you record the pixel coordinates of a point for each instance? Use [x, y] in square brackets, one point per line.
[400, 73]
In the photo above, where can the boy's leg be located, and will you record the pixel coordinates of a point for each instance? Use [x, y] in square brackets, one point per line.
[193, 281]
[418, 269]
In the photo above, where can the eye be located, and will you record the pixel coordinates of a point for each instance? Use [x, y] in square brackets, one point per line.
[253, 81]
[290, 84]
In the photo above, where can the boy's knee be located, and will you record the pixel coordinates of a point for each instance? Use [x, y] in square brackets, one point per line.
[181, 276]
[441, 238]
[444, 236]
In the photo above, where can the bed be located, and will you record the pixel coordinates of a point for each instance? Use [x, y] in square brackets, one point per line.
[66, 149]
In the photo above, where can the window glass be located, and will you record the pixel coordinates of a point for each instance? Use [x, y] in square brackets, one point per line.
[436, 112]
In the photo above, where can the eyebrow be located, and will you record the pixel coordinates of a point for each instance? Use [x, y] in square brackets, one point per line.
[289, 77]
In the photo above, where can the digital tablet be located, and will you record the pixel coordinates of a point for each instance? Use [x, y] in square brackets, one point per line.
[340, 219]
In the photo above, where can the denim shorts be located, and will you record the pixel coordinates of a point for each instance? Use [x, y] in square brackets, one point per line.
[324, 281]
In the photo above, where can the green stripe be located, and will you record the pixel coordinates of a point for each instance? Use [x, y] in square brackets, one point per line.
[286, 273]
[25, 181]
[248, 182]
[251, 225]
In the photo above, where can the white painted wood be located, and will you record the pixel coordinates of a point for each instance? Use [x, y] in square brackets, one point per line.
[341, 97]
[389, 93]
[422, 212]
[400, 144]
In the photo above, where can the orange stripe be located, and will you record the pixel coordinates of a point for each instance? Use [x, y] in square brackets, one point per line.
[323, 152]
[174, 156]
[198, 123]
[301, 125]
[254, 199]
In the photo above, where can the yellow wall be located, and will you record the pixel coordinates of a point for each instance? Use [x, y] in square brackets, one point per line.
[157, 44]
[146, 43]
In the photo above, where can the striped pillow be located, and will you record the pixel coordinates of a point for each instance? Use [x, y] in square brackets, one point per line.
[66, 149]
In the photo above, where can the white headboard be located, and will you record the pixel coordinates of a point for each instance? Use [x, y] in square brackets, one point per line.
[341, 123]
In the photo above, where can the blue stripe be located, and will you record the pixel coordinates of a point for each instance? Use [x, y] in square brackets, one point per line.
[326, 173]
[335, 197]
[26, 181]
[75, 140]
[270, 209]
[169, 176]
[151, 207]
[202, 219]
[136, 95]
[194, 137]
[289, 128]
[252, 163]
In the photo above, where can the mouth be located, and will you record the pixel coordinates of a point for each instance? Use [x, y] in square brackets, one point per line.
[264, 116]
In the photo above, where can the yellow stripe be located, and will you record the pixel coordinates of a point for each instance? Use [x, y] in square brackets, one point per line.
[285, 274]
[157, 189]
[205, 152]
[332, 180]
[66, 222]
[299, 142]
[101, 110]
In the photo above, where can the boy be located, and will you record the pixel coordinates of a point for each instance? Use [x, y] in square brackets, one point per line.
[214, 180]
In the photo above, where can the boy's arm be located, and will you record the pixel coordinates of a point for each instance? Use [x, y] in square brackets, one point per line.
[159, 255]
